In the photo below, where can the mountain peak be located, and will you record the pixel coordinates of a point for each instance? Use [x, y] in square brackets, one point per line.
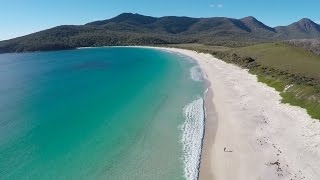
[255, 24]
[305, 20]
[249, 18]
[302, 29]
[128, 15]
[306, 25]
[131, 18]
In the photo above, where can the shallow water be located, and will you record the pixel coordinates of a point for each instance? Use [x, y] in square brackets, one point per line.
[99, 113]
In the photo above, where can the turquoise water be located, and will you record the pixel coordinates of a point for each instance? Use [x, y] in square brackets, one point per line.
[99, 113]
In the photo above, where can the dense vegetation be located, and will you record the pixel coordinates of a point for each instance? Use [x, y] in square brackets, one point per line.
[312, 45]
[292, 71]
[135, 29]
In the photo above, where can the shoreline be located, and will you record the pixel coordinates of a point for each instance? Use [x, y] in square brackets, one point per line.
[210, 121]
[211, 124]
[249, 133]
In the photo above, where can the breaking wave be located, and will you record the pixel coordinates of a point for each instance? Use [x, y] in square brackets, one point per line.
[192, 137]
[196, 73]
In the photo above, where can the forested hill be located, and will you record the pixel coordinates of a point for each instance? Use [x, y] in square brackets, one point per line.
[136, 29]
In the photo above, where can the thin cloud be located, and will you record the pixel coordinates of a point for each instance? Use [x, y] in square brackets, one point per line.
[220, 5]
[216, 5]
[318, 22]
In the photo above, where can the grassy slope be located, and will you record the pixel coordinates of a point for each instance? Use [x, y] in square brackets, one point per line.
[290, 70]
[284, 57]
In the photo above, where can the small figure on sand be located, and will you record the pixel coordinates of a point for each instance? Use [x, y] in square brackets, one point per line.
[225, 150]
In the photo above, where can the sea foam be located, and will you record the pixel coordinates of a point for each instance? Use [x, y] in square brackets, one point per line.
[192, 136]
[196, 73]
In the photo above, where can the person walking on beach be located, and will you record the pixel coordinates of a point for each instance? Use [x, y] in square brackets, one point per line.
[225, 150]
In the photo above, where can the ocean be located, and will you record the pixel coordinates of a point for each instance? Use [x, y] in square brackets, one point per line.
[100, 113]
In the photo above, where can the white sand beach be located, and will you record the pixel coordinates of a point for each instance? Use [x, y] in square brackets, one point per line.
[249, 134]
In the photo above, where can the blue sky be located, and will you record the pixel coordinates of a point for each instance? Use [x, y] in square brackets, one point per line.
[23, 17]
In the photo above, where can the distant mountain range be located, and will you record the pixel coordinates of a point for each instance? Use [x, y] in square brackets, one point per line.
[136, 29]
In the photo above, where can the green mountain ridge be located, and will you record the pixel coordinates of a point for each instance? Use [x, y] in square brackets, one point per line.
[136, 29]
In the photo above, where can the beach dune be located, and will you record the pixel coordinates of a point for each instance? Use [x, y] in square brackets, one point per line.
[249, 133]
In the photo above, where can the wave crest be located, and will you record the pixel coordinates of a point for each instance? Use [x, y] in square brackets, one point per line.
[192, 136]
[196, 73]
